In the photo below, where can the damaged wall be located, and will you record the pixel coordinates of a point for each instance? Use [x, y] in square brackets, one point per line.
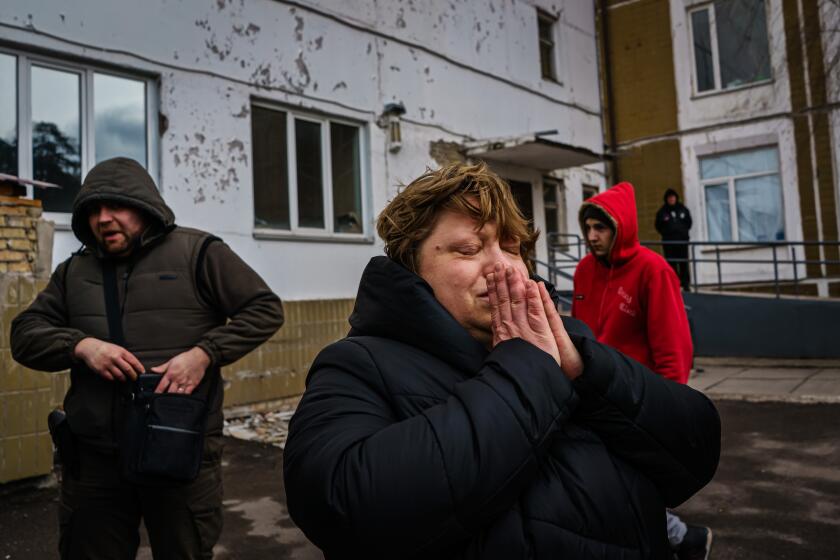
[463, 70]
[452, 64]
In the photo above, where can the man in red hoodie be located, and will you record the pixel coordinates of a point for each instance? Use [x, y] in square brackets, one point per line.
[627, 294]
[630, 297]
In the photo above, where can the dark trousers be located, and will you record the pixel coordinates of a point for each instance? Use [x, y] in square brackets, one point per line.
[677, 257]
[100, 512]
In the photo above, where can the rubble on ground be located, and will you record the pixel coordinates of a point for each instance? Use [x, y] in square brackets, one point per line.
[265, 427]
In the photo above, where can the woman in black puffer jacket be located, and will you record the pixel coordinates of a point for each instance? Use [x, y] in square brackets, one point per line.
[445, 427]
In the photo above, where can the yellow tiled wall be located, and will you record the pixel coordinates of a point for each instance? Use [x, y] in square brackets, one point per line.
[26, 396]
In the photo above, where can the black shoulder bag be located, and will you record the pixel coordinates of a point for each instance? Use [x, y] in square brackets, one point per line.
[162, 434]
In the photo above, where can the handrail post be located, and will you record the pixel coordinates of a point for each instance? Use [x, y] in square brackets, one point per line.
[693, 282]
[795, 269]
[776, 272]
[717, 260]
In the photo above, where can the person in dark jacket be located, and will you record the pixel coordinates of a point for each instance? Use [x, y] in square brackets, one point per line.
[673, 222]
[189, 305]
[462, 417]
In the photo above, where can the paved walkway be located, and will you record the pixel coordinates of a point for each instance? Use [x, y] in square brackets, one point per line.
[759, 380]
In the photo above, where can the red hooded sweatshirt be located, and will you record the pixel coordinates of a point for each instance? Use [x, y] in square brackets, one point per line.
[633, 303]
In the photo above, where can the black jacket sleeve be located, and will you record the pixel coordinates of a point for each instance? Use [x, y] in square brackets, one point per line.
[668, 431]
[659, 223]
[359, 478]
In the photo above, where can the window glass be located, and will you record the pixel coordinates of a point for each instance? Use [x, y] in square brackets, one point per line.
[346, 178]
[523, 195]
[8, 115]
[744, 55]
[310, 183]
[550, 206]
[282, 171]
[759, 204]
[119, 107]
[740, 163]
[545, 24]
[56, 133]
[717, 213]
[704, 66]
[270, 161]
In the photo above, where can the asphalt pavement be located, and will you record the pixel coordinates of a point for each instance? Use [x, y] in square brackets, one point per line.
[776, 493]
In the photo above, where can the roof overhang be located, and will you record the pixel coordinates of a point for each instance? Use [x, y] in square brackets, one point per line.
[4, 178]
[532, 151]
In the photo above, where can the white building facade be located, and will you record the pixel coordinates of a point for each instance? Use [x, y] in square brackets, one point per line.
[271, 123]
[754, 81]
[734, 104]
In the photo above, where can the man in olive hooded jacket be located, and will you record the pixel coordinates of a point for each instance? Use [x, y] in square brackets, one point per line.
[188, 306]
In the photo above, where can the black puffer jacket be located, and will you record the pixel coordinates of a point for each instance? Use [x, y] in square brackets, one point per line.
[673, 222]
[412, 441]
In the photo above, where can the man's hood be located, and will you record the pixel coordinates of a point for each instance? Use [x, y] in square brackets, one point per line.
[619, 203]
[668, 193]
[126, 182]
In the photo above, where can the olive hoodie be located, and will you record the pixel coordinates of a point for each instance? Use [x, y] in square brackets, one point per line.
[632, 299]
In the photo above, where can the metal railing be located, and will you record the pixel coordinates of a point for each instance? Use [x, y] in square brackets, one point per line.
[790, 260]
[550, 273]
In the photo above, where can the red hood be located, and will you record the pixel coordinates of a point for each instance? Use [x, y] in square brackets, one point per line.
[619, 203]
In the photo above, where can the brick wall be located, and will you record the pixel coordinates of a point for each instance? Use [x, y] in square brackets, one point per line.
[277, 369]
[644, 95]
[644, 102]
[18, 234]
[811, 131]
[652, 168]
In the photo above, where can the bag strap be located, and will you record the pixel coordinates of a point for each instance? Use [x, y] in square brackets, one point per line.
[112, 303]
[114, 315]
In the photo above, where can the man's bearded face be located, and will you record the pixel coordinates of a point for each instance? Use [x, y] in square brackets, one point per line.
[115, 227]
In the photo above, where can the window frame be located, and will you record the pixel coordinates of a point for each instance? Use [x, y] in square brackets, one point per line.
[558, 206]
[588, 187]
[543, 16]
[87, 123]
[328, 233]
[718, 89]
[729, 180]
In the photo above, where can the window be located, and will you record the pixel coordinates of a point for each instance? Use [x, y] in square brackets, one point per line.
[554, 204]
[524, 197]
[730, 44]
[58, 120]
[743, 195]
[8, 115]
[589, 191]
[307, 173]
[545, 25]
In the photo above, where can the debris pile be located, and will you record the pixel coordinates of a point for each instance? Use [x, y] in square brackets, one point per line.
[265, 427]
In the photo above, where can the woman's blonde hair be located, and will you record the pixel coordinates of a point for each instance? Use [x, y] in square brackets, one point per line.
[472, 190]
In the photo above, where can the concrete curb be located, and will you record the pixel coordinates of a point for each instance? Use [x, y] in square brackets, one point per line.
[785, 399]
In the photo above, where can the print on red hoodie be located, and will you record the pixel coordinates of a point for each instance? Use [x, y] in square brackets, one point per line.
[634, 303]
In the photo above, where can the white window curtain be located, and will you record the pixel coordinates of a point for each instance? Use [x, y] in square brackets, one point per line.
[743, 195]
